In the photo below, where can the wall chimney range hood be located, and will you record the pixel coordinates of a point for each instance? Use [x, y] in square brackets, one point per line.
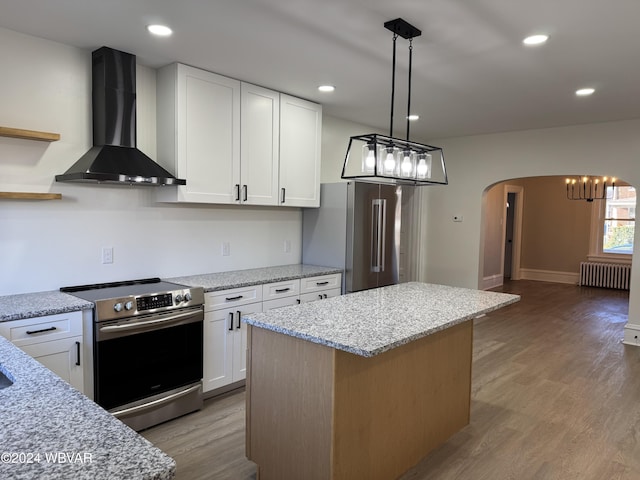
[114, 158]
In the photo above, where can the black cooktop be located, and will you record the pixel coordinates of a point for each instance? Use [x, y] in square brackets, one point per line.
[103, 291]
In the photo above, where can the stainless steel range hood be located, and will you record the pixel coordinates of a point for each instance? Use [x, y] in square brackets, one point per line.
[114, 157]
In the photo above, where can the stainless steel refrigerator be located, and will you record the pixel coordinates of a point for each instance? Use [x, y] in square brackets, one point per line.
[364, 228]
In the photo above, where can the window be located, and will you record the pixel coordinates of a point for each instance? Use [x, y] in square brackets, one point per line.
[619, 220]
[613, 225]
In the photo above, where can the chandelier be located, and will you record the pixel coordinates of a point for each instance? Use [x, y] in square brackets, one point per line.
[386, 159]
[588, 188]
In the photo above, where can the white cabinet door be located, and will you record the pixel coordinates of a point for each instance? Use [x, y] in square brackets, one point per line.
[199, 134]
[300, 149]
[217, 349]
[62, 357]
[320, 295]
[225, 346]
[259, 140]
[280, 302]
[53, 340]
[240, 342]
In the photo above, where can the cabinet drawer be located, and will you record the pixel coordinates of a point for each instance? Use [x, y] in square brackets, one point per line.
[321, 282]
[287, 288]
[232, 298]
[30, 331]
[313, 296]
[280, 302]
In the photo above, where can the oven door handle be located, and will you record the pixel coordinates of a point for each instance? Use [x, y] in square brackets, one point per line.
[144, 324]
[126, 412]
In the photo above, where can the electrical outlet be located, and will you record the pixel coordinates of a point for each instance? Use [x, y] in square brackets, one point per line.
[287, 246]
[107, 255]
[226, 249]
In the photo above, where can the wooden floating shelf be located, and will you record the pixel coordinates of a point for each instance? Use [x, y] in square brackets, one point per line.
[29, 134]
[30, 196]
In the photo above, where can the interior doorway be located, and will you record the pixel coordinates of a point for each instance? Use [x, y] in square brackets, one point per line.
[512, 232]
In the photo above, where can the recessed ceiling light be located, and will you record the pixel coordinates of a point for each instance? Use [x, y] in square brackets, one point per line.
[585, 92]
[413, 118]
[536, 39]
[160, 30]
[326, 88]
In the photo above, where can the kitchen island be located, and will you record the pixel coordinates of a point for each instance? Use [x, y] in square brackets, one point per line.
[363, 385]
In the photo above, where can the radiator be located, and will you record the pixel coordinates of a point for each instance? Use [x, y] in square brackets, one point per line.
[606, 275]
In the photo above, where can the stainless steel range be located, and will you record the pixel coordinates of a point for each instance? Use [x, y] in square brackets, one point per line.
[147, 348]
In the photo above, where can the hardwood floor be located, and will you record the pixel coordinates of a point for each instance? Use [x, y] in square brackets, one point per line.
[555, 395]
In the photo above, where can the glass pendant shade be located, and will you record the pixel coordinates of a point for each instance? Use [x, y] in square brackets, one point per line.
[389, 158]
[423, 170]
[408, 164]
[369, 158]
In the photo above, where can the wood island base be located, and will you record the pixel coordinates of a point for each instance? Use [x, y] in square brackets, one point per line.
[314, 412]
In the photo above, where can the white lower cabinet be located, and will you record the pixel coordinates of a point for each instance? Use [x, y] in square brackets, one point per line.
[225, 336]
[63, 357]
[320, 295]
[280, 302]
[320, 287]
[54, 340]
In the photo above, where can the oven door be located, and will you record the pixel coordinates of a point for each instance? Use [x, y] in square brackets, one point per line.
[144, 356]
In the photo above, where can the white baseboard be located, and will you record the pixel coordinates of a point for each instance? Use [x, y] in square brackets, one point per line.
[492, 282]
[549, 276]
[631, 335]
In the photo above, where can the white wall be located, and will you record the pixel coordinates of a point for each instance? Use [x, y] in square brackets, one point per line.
[335, 140]
[48, 244]
[475, 162]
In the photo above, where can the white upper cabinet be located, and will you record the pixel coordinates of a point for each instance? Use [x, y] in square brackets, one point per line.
[236, 143]
[300, 139]
[259, 145]
[199, 134]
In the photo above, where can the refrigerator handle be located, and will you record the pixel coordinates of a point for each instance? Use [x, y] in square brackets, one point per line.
[377, 234]
[383, 235]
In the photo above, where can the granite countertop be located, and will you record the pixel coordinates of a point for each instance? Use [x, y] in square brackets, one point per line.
[41, 416]
[212, 282]
[29, 305]
[370, 322]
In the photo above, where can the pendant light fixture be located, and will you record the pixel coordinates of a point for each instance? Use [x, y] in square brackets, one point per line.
[385, 159]
[589, 188]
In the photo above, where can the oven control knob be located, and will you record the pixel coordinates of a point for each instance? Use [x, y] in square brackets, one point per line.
[128, 305]
[187, 297]
[118, 307]
[178, 298]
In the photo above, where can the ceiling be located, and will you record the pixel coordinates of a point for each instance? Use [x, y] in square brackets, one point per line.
[472, 74]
